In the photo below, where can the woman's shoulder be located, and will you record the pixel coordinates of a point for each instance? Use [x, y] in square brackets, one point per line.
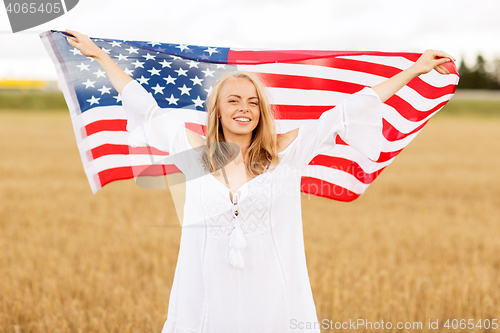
[285, 139]
[195, 140]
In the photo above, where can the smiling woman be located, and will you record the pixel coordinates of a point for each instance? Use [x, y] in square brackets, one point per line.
[241, 265]
[238, 112]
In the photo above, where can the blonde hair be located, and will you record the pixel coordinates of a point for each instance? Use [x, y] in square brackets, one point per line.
[263, 149]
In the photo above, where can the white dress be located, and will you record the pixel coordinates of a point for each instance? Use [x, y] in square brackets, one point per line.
[265, 287]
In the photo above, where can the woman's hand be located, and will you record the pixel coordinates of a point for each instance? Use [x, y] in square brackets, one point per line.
[432, 59]
[428, 61]
[83, 43]
[119, 79]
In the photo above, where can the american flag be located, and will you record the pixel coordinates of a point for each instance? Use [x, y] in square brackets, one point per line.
[302, 85]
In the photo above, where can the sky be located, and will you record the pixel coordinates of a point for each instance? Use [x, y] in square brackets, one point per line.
[462, 28]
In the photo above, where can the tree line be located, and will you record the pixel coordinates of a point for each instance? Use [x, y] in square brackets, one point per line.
[482, 75]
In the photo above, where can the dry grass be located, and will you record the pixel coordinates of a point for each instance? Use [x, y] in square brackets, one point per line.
[422, 243]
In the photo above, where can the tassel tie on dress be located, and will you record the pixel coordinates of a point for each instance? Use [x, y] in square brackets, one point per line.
[236, 239]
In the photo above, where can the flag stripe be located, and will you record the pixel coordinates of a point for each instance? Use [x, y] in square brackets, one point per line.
[322, 188]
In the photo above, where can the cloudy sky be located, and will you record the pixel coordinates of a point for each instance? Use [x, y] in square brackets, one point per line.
[462, 28]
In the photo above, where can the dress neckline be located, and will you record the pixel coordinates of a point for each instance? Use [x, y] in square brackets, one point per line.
[239, 188]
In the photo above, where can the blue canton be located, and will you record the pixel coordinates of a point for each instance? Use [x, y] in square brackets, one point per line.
[177, 75]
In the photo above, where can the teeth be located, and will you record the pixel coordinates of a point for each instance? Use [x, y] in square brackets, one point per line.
[242, 119]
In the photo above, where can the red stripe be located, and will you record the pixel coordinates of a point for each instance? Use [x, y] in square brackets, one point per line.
[120, 173]
[384, 156]
[325, 189]
[307, 83]
[197, 128]
[106, 125]
[423, 88]
[347, 166]
[408, 111]
[236, 57]
[111, 149]
[392, 134]
[298, 112]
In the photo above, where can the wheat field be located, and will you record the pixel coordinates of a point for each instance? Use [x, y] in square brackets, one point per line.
[423, 242]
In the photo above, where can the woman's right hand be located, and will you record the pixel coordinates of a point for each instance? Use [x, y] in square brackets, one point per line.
[83, 43]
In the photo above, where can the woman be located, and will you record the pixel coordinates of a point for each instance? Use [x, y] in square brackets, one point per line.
[241, 265]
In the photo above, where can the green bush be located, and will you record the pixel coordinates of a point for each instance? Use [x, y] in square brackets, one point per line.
[33, 101]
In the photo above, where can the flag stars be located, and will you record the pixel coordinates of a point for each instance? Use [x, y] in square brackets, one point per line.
[183, 47]
[143, 80]
[185, 90]
[149, 57]
[209, 90]
[158, 89]
[193, 64]
[154, 71]
[137, 63]
[165, 63]
[115, 43]
[105, 50]
[153, 43]
[118, 98]
[121, 57]
[128, 71]
[211, 50]
[89, 84]
[93, 100]
[104, 90]
[196, 81]
[76, 51]
[181, 72]
[208, 72]
[131, 50]
[82, 67]
[172, 100]
[170, 79]
[176, 57]
[198, 102]
[100, 73]
[220, 66]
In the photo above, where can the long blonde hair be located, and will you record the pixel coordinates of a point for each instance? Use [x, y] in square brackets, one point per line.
[263, 150]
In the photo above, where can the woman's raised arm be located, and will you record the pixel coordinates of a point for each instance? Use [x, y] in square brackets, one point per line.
[119, 79]
[429, 60]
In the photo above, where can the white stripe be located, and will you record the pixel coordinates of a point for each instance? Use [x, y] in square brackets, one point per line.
[116, 161]
[335, 176]
[121, 138]
[100, 138]
[433, 78]
[118, 112]
[418, 101]
[286, 96]
[352, 154]
[316, 71]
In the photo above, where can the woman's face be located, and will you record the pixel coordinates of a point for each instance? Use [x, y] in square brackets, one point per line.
[239, 110]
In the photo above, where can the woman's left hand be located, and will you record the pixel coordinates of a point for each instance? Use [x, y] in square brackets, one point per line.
[432, 59]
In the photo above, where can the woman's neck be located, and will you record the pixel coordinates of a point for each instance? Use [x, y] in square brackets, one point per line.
[242, 141]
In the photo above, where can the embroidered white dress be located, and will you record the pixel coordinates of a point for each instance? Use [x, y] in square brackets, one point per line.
[271, 291]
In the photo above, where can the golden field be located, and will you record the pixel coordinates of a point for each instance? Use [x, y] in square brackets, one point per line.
[423, 243]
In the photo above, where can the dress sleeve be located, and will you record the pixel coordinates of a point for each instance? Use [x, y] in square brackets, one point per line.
[147, 123]
[358, 121]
